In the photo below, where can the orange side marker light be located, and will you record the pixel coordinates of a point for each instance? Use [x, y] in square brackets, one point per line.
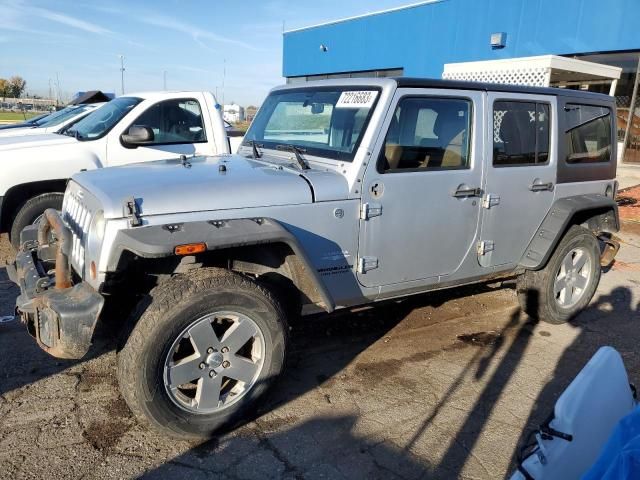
[190, 248]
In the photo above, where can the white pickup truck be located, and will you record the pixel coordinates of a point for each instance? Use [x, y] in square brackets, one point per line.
[129, 129]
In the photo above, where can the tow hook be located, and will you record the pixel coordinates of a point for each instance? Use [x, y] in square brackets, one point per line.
[610, 250]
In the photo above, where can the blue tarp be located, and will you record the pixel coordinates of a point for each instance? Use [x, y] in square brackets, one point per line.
[620, 457]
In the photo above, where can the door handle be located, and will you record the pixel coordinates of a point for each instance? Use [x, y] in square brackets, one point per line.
[463, 192]
[540, 187]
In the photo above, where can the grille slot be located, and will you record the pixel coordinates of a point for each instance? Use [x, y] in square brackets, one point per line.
[78, 218]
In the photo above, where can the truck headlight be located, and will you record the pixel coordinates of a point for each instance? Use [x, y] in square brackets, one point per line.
[93, 244]
[96, 230]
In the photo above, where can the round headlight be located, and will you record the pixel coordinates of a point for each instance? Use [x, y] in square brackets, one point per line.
[96, 230]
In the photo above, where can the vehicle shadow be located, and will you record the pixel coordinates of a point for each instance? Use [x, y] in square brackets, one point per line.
[328, 447]
[611, 320]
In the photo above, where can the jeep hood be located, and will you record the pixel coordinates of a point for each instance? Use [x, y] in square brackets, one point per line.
[34, 141]
[204, 184]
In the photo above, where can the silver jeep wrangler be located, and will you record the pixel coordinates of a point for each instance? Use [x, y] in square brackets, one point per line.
[344, 193]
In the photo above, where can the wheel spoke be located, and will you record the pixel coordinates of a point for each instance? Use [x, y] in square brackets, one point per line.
[567, 263]
[560, 285]
[581, 282]
[580, 260]
[238, 335]
[203, 337]
[208, 395]
[242, 369]
[185, 371]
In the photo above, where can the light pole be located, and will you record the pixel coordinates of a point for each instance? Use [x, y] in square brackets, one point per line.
[122, 73]
[164, 79]
[224, 76]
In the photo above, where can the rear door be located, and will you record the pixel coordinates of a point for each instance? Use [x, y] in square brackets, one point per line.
[521, 174]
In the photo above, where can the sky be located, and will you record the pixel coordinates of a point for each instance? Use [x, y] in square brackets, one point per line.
[77, 43]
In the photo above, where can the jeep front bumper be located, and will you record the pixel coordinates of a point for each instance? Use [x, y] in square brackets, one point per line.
[61, 316]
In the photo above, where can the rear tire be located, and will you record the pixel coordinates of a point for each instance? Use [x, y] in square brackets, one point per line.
[31, 211]
[567, 283]
[186, 329]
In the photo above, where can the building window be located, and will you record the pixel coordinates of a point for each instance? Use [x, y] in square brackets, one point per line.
[520, 133]
[386, 73]
[588, 136]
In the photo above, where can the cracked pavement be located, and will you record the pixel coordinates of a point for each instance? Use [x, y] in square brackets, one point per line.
[437, 386]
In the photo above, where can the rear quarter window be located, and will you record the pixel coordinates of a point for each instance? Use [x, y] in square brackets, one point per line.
[588, 136]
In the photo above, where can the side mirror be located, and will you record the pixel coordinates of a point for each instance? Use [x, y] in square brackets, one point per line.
[137, 135]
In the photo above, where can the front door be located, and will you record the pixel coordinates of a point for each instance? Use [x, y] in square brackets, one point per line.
[178, 127]
[521, 174]
[421, 198]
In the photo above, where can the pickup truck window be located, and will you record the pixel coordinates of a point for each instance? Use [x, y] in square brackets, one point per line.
[588, 135]
[520, 133]
[324, 121]
[174, 121]
[98, 123]
[428, 133]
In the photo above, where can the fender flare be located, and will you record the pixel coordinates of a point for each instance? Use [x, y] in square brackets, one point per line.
[557, 221]
[160, 241]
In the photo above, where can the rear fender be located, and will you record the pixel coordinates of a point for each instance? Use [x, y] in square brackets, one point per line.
[596, 212]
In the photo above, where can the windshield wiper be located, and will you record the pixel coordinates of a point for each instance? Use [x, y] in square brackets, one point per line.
[298, 153]
[254, 150]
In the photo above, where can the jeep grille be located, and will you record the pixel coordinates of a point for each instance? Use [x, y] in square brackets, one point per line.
[78, 218]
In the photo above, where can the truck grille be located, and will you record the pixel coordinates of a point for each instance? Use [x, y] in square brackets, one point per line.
[78, 218]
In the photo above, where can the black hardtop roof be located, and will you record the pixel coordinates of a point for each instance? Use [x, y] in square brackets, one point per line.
[413, 82]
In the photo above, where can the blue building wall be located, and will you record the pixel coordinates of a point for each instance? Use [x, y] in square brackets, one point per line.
[421, 39]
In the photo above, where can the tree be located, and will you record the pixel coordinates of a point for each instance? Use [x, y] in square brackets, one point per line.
[4, 87]
[16, 86]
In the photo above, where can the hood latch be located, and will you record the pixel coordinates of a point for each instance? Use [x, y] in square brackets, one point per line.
[132, 212]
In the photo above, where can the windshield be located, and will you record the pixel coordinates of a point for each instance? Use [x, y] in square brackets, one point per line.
[37, 121]
[99, 122]
[63, 115]
[322, 121]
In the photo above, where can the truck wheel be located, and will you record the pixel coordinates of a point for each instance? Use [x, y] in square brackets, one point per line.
[202, 353]
[567, 283]
[31, 211]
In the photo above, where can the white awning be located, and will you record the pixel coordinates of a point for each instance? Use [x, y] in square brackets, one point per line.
[539, 71]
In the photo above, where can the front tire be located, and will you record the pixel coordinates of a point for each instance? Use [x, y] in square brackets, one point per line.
[31, 211]
[567, 283]
[203, 353]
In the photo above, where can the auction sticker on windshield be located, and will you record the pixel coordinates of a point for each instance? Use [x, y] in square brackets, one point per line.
[357, 99]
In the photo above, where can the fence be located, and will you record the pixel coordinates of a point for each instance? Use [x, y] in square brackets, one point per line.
[28, 104]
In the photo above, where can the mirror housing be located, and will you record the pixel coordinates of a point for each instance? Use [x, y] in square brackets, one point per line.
[317, 108]
[137, 135]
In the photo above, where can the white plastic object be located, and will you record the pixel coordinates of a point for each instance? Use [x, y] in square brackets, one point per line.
[588, 410]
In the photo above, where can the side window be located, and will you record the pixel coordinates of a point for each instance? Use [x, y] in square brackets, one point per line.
[520, 133]
[174, 121]
[588, 135]
[428, 133]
